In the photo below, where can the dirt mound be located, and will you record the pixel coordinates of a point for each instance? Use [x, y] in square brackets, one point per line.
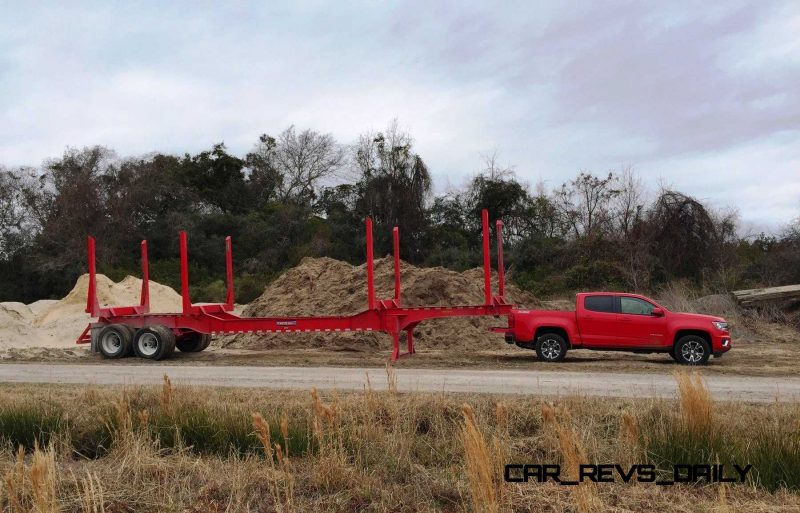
[57, 323]
[721, 305]
[126, 292]
[324, 286]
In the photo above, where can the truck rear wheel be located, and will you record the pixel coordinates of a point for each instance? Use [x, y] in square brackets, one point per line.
[154, 342]
[114, 341]
[193, 342]
[551, 347]
[692, 350]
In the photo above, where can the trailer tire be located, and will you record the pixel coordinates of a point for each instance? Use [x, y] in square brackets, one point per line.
[154, 342]
[132, 331]
[193, 342]
[551, 347]
[114, 341]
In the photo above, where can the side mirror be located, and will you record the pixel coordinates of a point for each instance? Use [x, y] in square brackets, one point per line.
[657, 312]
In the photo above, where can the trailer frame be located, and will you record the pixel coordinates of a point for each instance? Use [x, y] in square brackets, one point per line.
[384, 315]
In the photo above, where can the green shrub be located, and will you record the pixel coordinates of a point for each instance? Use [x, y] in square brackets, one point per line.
[772, 447]
[28, 424]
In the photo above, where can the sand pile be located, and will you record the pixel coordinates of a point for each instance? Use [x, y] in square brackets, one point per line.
[57, 323]
[324, 286]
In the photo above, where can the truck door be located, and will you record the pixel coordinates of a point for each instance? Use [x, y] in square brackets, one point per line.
[638, 326]
[598, 321]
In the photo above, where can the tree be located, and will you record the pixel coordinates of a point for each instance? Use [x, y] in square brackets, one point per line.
[17, 225]
[75, 200]
[217, 177]
[628, 203]
[395, 185]
[264, 177]
[585, 203]
[293, 166]
[683, 235]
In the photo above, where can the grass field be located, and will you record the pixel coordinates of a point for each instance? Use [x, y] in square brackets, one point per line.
[187, 449]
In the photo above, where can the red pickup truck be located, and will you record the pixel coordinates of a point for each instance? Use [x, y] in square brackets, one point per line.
[608, 321]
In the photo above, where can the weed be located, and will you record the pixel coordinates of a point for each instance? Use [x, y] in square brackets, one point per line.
[481, 471]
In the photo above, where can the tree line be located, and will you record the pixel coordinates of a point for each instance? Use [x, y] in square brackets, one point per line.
[302, 193]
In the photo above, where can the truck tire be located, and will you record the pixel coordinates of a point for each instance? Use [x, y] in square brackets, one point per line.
[154, 342]
[114, 341]
[691, 350]
[193, 342]
[551, 347]
[672, 353]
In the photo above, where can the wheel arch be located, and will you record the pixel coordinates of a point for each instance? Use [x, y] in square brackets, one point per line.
[560, 330]
[679, 334]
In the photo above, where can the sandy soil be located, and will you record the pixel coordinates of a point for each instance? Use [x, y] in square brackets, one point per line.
[58, 323]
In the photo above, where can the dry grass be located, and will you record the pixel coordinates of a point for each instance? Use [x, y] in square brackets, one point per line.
[229, 450]
[481, 469]
[572, 456]
[391, 378]
[32, 488]
[281, 484]
[92, 497]
[697, 407]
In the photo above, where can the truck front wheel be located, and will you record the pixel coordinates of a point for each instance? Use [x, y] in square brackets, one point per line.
[551, 347]
[691, 350]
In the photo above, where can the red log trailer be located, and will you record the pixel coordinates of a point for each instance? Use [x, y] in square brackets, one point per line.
[124, 330]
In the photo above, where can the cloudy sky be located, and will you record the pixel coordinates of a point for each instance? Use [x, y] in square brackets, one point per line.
[699, 97]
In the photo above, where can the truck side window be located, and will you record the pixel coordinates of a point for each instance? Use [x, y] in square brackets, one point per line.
[632, 305]
[599, 303]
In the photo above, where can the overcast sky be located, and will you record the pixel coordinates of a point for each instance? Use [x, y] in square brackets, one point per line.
[700, 97]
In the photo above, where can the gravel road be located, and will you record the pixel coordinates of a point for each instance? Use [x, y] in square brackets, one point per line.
[744, 388]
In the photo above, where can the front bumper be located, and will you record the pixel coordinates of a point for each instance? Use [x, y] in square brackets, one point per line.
[721, 343]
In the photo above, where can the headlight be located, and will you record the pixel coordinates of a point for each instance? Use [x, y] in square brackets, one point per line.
[720, 325]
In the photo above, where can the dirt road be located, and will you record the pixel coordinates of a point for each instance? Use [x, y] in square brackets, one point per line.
[755, 389]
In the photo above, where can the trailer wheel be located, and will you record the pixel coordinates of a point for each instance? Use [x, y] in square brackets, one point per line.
[551, 347]
[154, 342]
[692, 350]
[193, 342]
[114, 341]
[132, 332]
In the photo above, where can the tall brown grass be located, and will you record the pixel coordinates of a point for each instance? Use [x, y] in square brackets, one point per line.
[378, 451]
[32, 488]
[391, 378]
[633, 444]
[281, 480]
[333, 468]
[14, 481]
[92, 494]
[167, 393]
[696, 404]
[481, 470]
[572, 455]
[43, 481]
